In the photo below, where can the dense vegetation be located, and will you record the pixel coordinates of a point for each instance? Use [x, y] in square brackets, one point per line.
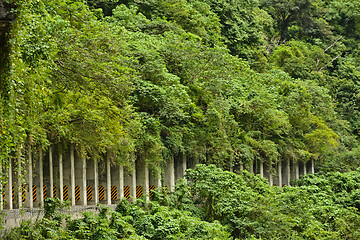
[223, 82]
[217, 81]
[217, 204]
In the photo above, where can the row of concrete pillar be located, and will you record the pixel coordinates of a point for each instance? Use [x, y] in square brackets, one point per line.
[281, 173]
[77, 174]
[70, 175]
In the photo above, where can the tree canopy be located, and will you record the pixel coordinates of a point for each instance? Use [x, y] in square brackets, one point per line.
[224, 82]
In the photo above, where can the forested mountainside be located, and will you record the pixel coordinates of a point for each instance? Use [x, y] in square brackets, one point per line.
[227, 82]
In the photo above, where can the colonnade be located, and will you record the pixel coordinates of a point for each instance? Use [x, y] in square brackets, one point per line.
[281, 173]
[68, 175]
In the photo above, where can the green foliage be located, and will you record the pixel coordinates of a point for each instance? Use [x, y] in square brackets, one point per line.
[216, 204]
[320, 206]
[52, 208]
[129, 221]
[164, 79]
[48, 227]
[223, 82]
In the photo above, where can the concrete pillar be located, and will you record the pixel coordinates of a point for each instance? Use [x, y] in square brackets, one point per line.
[159, 185]
[288, 172]
[241, 167]
[84, 197]
[30, 171]
[146, 183]
[261, 169]
[19, 182]
[72, 175]
[10, 183]
[121, 182]
[304, 168]
[142, 176]
[312, 166]
[297, 173]
[170, 174]
[184, 165]
[271, 181]
[41, 178]
[133, 183]
[252, 168]
[280, 173]
[61, 177]
[51, 172]
[96, 180]
[108, 180]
